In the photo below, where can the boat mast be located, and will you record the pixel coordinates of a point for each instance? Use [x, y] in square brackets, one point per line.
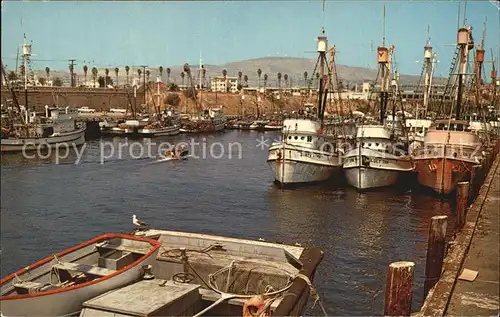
[26, 56]
[429, 60]
[493, 76]
[478, 66]
[199, 78]
[465, 43]
[383, 61]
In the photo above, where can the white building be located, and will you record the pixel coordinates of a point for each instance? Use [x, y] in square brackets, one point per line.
[222, 84]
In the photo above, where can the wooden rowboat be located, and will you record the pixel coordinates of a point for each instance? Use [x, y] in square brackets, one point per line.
[58, 285]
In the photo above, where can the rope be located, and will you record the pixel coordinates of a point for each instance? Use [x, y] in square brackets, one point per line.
[313, 292]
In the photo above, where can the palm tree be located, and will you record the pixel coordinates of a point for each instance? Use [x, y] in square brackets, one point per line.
[240, 74]
[259, 72]
[139, 72]
[286, 79]
[265, 81]
[168, 74]
[148, 73]
[94, 74]
[204, 72]
[71, 68]
[85, 71]
[47, 72]
[182, 77]
[305, 79]
[127, 70]
[116, 75]
[161, 72]
[279, 80]
[317, 79]
[224, 73]
[106, 73]
[245, 78]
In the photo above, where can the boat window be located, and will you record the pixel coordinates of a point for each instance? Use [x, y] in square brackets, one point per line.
[302, 138]
[369, 144]
[289, 137]
[377, 144]
[296, 137]
[309, 139]
[363, 144]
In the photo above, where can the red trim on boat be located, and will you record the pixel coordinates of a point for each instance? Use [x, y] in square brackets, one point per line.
[156, 245]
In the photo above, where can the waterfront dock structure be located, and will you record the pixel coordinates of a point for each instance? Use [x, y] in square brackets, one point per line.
[475, 249]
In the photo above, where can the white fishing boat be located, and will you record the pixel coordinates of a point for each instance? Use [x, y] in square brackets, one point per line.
[24, 130]
[58, 285]
[377, 160]
[305, 154]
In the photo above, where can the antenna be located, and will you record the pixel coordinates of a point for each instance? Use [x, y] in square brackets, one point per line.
[383, 23]
[323, 16]
[465, 12]
[458, 16]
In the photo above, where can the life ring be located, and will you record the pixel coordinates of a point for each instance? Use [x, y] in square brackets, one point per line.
[256, 306]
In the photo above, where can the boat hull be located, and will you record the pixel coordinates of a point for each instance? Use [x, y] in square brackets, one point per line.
[167, 131]
[442, 175]
[368, 178]
[302, 165]
[72, 139]
[369, 169]
[68, 301]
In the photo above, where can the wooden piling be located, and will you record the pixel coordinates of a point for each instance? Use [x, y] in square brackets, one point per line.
[436, 246]
[461, 204]
[399, 289]
[474, 183]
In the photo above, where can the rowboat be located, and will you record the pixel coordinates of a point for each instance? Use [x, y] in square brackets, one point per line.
[59, 285]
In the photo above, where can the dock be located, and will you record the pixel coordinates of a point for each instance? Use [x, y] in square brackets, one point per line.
[462, 275]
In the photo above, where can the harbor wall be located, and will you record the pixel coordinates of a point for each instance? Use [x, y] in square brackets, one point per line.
[233, 104]
[99, 99]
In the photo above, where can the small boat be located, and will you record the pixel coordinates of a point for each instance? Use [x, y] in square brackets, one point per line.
[182, 154]
[58, 285]
[207, 275]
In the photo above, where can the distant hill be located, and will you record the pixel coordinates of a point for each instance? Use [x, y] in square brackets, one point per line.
[293, 66]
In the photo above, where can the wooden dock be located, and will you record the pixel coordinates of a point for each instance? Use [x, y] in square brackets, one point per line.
[462, 276]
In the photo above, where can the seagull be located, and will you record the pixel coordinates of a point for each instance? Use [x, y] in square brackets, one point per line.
[137, 222]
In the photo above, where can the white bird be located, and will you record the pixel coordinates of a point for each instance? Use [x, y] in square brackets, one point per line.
[137, 222]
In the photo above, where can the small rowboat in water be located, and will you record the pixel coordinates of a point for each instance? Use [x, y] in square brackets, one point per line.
[58, 285]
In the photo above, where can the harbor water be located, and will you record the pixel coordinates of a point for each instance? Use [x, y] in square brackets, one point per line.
[54, 203]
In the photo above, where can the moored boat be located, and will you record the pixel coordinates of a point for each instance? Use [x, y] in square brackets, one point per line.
[449, 152]
[58, 285]
[207, 275]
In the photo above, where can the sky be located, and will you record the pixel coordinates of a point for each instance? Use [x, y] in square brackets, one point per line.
[168, 33]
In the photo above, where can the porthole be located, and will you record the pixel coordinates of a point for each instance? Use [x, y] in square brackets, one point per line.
[296, 137]
[376, 144]
[302, 138]
[289, 137]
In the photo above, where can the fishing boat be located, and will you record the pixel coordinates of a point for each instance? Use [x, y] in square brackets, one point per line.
[59, 284]
[305, 154]
[211, 120]
[451, 148]
[379, 158]
[417, 127]
[25, 130]
[205, 120]
[207, 275]
[168, 124]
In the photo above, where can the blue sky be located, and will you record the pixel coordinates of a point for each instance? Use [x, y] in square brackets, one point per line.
[171, 33]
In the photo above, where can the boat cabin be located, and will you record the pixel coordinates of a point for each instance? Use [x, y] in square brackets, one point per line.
[451, 125]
